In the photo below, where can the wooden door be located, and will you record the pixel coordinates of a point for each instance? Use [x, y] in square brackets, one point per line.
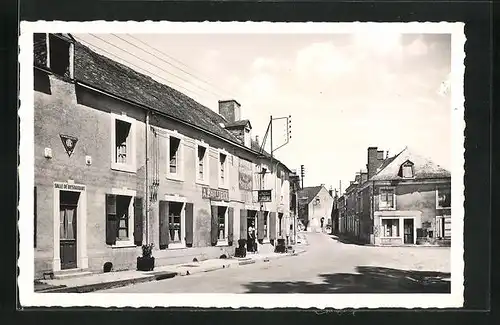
[408, 231]
[68, 208]
[163, 224]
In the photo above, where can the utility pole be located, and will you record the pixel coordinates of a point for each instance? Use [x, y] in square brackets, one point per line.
[269, 131]
[302, 174]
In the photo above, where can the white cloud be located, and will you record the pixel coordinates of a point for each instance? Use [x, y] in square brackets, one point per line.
[322, 60]
[262, 84]
[417, 48]
[264, 64]
[379, 41]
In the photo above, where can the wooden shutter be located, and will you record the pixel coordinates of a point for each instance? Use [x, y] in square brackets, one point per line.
[111, 220]
[163, 216]
[230, 216]
[34, 216]
[189, 224]
[243, 224]
[214, 231]
[260, 225]
[138, 219]
[272, 225]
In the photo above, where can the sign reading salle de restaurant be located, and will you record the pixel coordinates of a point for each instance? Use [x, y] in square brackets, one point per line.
[214, 194]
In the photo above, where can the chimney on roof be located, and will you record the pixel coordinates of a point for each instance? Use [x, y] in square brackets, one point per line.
[380, 154]
[374, 161]
[230, 110]
[387, 154]
[257, 140]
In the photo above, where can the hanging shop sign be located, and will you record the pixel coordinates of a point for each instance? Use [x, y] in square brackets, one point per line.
[214, 194]
[264, 196]
[69, 143]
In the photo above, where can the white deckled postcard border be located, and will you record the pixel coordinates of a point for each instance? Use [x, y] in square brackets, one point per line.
[29, 298]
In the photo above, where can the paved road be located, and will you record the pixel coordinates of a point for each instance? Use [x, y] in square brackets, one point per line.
[328, 266]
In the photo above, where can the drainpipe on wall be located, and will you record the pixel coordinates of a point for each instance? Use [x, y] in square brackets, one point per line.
[146, 196]
[373, 210]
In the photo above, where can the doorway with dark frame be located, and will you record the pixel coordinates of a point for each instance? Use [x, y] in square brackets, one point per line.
[68, 207]
[280, 224]
[252, 234]
[408, 231]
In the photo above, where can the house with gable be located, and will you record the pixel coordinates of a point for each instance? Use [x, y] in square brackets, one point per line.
[315, 203]
[403, 200]
[121, 160]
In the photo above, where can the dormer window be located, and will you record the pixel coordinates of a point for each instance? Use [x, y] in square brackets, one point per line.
[54, 52]
[406, 170]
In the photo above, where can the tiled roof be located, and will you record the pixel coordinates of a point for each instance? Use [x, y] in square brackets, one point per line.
[309, 193]
[110, 76]
[239, 123]
[423, 167]
[115, 78]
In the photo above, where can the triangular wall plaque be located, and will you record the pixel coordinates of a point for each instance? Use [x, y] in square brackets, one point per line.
[69, 143]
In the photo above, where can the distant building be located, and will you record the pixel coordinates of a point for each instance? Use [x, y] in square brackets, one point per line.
[315, 203]
[404, 199]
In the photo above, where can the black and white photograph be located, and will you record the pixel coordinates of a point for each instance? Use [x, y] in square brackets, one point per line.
[241, 164]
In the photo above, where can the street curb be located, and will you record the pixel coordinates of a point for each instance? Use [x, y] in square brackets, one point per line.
[108, 285]
[162, 275]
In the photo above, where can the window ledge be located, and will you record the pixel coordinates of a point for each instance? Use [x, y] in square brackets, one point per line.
[222, 243]
[204, 183]
[224, 187]
[444, 208]
[124, 244]
[174, 178]
[123, 167]
[386, 209]
[176, 246]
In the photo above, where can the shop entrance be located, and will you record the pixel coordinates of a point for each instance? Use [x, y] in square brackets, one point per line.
[408, 231]
[68, 207]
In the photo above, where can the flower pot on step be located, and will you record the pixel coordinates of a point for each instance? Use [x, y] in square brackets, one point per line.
[145, 263]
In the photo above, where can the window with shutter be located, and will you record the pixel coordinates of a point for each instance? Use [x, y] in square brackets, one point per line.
[230, 225]
[443, 198]
[123, 143]
[120, 224]
[243, 224]
[111, 221]
[34, 217]
[189, 224]
[386, 200]
[202, 161]
[138, 219]
[214, 231]
[174, 156]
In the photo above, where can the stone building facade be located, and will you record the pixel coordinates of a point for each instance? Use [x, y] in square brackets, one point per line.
[122, 161]
[315, 203]
[402, 200]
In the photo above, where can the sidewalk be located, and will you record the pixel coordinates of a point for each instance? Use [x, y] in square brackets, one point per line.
[101, 281]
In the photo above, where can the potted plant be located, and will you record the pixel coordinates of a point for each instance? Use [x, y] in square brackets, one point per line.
[241, 250]
[146, 262]
[281, 246]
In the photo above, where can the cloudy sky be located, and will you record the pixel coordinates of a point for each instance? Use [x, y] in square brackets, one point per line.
[345, 92]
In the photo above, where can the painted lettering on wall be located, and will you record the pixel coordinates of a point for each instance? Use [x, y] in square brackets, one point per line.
[66, 186]
[245, 175]
[214, 194]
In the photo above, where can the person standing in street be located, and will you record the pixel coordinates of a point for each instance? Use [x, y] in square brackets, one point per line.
[252, 243]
